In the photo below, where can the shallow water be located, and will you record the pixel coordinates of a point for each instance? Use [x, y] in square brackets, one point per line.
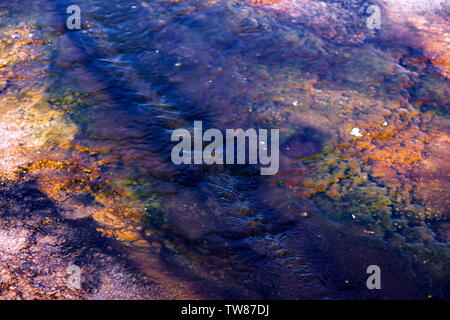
[88, 115]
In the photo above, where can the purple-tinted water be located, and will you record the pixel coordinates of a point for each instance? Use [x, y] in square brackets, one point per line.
[88, 115]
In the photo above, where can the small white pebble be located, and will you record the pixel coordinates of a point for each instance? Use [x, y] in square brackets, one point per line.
[356, 132]
[31, 35]
[177, 64]
[385, 124]
[133, 7]
[295, 103]
[353, 216]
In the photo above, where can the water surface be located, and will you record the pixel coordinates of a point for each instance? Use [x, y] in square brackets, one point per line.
[87, 116]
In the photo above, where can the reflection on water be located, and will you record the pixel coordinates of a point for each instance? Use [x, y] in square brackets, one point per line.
[88, 115]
